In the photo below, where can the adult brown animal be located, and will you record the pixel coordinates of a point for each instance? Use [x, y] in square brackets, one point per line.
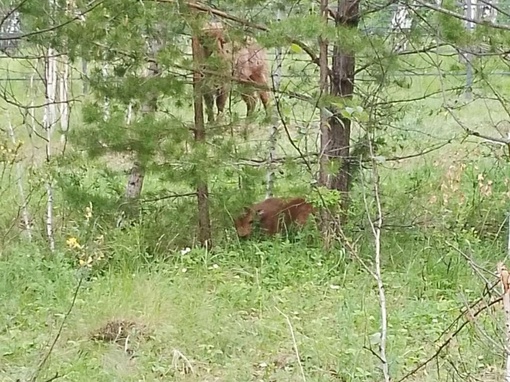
[274, 214]
[247, 63]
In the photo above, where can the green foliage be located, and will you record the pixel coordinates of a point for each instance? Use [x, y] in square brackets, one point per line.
[325, 197]
[232, 319]
[451, 28]
[222, 307]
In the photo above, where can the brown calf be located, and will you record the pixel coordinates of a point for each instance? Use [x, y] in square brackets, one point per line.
[247, 63]
[271, 213]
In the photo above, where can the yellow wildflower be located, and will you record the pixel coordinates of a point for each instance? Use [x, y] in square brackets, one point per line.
[72, 243]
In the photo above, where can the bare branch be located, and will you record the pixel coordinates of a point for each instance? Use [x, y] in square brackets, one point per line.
[449, 339]
[459, 16]
[173, 196]
[52, 346]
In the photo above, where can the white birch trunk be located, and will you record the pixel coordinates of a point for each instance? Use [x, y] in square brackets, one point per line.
[64, 100]
[129, 113]
[273, 135]
[49, 121]
[106, 102]
[376, 229]
[401, 23]
[50, 117]
[85, 71]
[30, 119]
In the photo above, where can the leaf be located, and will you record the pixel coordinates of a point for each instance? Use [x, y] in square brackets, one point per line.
[349, 110]
[296, 48]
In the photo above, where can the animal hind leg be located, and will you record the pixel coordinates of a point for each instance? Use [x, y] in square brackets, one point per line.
[250, 101]
[264, 97]
[221, 100]
[209, 106]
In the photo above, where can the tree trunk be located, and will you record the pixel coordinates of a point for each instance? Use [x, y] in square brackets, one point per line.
[325, 217]
[204, 222]
[64, 99]
[49, 122]
[137, 174]
[85, 73]
[276, 76]
[336, 134]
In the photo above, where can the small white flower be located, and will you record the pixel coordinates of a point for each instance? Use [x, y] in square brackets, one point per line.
[334, 286]
[184, 270]
[185, 251]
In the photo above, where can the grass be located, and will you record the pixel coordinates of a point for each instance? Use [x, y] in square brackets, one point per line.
[231, 324]
[239, 312]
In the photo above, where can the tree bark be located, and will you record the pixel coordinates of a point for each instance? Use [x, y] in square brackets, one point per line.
[336, 133]
[204, 222]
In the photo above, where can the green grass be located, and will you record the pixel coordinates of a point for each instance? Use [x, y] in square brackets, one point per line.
[227, 314]
[226, 310]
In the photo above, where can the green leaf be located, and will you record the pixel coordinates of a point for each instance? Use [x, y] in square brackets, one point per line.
[295, 48]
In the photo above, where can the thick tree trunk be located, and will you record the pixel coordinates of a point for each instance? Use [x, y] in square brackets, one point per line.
[204, 222]
[336, 133]
[342, 84]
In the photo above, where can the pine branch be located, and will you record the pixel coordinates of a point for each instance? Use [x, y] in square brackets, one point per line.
[53, 27]
[222, 14]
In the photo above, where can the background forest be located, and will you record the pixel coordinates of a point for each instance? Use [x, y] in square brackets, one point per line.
[119, 260]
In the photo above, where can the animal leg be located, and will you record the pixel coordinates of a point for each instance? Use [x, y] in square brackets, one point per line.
[209, 104]
[250, 101]
[264, 96]
[221, 100]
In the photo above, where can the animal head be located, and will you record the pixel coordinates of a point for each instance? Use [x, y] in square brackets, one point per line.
[213, 36]
[244, 223]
